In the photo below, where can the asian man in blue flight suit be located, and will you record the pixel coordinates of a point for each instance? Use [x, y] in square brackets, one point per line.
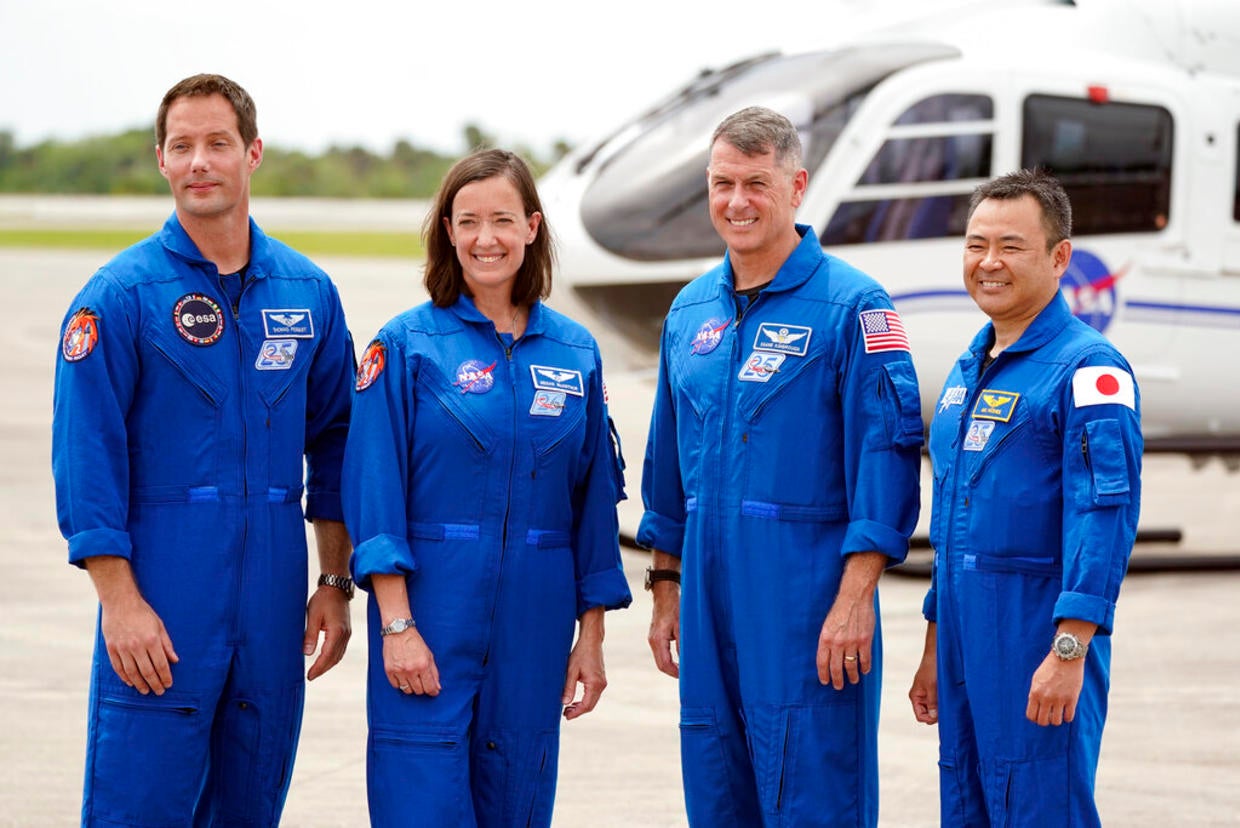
[201, 372]
[1036, 446]
[781, 477]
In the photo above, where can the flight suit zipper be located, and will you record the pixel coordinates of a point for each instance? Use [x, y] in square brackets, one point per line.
[512, 462]
[243, 389]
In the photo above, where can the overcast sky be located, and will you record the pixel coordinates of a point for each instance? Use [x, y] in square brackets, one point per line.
[372, 71]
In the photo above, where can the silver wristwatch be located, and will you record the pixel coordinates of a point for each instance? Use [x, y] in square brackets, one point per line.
[398, 625]
[341, 582]
[1068, 647]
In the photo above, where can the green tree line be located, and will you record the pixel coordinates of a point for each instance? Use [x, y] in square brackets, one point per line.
[124, 164]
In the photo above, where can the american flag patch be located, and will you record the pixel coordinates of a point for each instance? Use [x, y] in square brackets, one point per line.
[883, 331]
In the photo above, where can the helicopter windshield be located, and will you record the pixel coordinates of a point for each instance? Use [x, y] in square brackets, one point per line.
[648, 199]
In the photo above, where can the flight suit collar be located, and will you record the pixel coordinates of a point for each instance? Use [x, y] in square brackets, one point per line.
[174, 238]
[465, 310]
[795, 270]
[1046, 326]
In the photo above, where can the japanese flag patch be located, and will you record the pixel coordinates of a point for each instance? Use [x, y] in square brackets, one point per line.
[1103, 384]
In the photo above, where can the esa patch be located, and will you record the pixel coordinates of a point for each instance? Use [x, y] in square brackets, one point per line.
[371, 366]
[276, 355]
[995, 405]
[472, 377]
[198, 319]
[760, 367]
[567, 380]
[81, 335]
[882, 330]
[708, 336]
[296, 323]
[1101, 385]
[979, 435]
[783, 339]
[953, 396]
[548, 403]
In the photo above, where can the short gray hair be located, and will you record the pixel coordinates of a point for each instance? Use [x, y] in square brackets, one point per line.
[756, 130]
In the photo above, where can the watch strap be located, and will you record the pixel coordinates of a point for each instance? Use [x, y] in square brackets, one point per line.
[341, 582]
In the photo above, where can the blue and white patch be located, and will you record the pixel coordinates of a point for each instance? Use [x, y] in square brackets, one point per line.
[979, 435]
[953, 396]
[708, 336]
[474, 377]
[567, 380]
[548, 403]
[288, 322]
[276, 355]
[760, 367]
[783, 339]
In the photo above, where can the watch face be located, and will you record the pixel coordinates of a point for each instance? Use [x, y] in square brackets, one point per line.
[1067, 646]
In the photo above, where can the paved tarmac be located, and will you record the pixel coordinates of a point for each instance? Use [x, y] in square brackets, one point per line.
[1171, 754]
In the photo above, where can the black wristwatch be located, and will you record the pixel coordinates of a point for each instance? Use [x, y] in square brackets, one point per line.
[653, 576]
[341, 582]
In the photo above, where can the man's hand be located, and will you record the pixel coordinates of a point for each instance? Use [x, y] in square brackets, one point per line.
[410, 664]
[585, 666]
[1054, 690]
[328, 613]
[848, 631]
[924, 694]
[139, 647]
[665, 618]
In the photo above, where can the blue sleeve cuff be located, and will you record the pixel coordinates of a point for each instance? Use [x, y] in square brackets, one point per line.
[661, 533]
[95, 542]
[1089, 608]
[930, 606]
[325, 506]
[608, 589]
[381, 555]
[869, 536]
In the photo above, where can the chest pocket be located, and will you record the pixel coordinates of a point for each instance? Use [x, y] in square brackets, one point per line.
[274, 385]
[193, 368]
[439, 402]
[795, 380]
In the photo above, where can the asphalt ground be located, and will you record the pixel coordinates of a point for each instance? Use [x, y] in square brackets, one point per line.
[1171, 752]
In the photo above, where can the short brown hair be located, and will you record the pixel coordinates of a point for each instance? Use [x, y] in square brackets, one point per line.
[201, 85]
[444, 279]
[1045, 189]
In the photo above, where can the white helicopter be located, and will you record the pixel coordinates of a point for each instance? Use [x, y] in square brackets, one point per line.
[1133, 104]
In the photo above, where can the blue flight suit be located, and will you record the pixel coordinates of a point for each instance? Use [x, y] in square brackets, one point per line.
[484, 473]
[181, 423]
[779, 444]
[1037, 464]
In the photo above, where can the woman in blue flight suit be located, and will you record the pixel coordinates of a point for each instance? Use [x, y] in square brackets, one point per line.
[480, 487]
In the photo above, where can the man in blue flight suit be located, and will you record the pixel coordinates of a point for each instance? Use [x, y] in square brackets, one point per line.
[781, 477]
[201, 372]
[1036, 446]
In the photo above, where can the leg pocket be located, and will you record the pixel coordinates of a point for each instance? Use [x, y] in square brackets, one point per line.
[146, 758]
[423, 772]
[718, 776]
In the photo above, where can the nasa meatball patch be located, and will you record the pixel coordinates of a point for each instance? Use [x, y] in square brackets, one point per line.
[198, 319]
[1101, 385]
[81, 335]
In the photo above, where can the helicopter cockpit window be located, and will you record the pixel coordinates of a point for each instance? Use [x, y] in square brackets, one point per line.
[934, 144]
[648, 199]
[1114, 160]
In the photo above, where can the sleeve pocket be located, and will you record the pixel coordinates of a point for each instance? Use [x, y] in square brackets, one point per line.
[902, 405]
[1108, 465]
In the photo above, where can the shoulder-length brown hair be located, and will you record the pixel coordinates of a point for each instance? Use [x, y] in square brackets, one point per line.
[444, 279]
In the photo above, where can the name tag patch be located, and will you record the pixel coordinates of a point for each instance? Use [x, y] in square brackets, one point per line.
[288, 322]
[783, 339]
[547, 378]
[995, 405]
[953, 396]
[760, 367]
[979, 435]
[548, 403]
[276, 355]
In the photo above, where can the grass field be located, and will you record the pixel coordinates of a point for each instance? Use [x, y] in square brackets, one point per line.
[309, 242]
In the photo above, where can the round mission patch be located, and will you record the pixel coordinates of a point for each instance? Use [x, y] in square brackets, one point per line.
[199, 319]
[81, 335]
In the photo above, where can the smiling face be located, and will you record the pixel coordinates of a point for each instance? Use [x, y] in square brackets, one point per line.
[490, 230]
[753, 203]
[205, 160]
[1008, 270]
